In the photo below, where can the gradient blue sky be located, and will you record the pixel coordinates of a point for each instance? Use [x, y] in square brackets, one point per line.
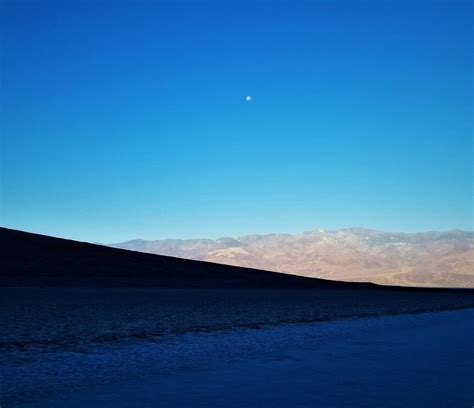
[128, 119]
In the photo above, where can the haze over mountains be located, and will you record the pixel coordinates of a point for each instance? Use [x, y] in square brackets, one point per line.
[443, 259]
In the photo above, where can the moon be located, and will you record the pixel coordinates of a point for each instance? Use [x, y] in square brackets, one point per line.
[248, 98]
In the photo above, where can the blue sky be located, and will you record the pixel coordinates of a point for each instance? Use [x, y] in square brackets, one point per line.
[128, 119]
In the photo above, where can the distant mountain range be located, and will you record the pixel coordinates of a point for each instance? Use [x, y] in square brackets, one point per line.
[443, 259]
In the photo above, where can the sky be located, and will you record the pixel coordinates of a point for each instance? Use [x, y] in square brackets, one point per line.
[123, 120]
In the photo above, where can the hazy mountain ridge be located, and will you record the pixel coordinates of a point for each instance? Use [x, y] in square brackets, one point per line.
[356, 254]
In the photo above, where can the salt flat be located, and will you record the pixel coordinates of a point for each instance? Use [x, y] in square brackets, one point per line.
[411, 360]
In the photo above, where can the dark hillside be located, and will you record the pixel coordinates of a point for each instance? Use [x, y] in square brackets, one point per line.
[33, 259]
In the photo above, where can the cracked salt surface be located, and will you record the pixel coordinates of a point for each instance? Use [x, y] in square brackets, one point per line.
[405, 360]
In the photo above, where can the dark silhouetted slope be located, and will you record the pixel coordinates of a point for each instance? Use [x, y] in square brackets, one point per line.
[32, 259]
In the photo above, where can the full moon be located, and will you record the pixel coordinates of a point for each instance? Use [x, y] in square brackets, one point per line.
[248, 98]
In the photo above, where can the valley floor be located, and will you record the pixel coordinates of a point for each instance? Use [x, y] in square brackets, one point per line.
[410, 360]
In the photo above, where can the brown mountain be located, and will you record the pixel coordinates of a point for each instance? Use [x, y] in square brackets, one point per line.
[442, 259]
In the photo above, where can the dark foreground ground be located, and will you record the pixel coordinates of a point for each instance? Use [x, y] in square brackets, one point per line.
[36, 320]
[85, 341]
